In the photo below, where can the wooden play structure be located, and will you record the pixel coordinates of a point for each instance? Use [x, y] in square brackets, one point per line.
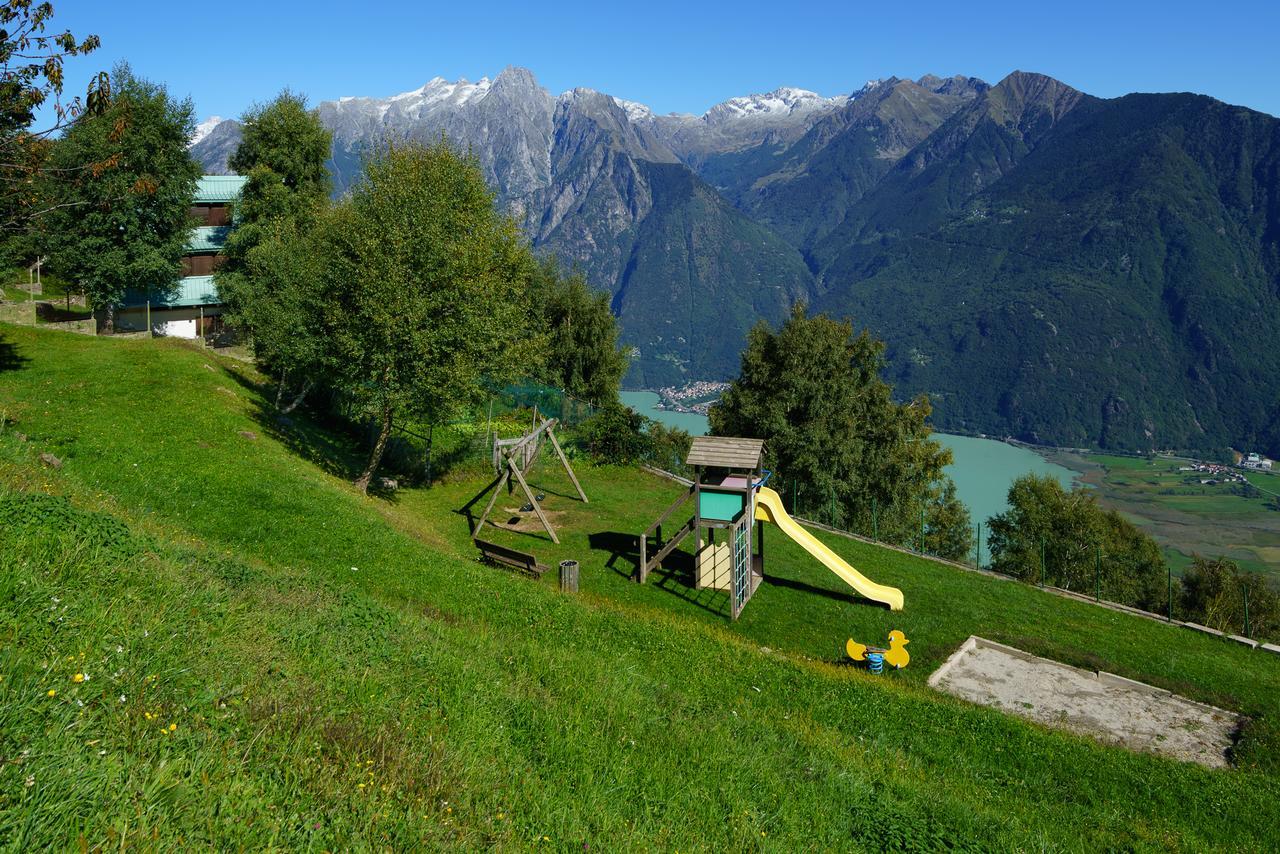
[727, 475]
[729, 492]
[513, 458]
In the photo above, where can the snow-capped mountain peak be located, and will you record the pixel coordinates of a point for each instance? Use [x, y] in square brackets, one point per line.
[436, 92]
[437, 89]
[781, 102]
[635, 110]
[204, 129]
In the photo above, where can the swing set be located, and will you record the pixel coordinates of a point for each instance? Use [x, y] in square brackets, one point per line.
[512, 460]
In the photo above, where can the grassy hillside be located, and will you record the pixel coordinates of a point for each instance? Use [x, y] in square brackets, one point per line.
[273, 659]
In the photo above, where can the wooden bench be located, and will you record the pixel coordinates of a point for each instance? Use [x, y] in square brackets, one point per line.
[494, 553]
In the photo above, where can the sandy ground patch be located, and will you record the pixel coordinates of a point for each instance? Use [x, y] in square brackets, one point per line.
[1109, 708]
[511, 518]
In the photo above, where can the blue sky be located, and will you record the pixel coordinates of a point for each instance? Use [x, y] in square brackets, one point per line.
[677, 56]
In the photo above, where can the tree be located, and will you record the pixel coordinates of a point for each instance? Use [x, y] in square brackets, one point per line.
[582, 356]
[1214, 592]
[31, 72]
[615, 434]
[287, 137]
[268, 280]
[425, 290]
[278, 295]
[124, 221]
[1071, 531]
[833, 433]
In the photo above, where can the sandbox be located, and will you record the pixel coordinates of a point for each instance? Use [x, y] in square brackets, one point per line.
[1107, 707]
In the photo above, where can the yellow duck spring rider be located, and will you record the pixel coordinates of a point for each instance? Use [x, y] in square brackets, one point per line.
[896, 656]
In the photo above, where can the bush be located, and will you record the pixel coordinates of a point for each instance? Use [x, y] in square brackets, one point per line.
[1067, 529]
[668, 446]
[615, 434]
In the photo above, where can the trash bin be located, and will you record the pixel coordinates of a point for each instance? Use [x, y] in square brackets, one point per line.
[568, 576]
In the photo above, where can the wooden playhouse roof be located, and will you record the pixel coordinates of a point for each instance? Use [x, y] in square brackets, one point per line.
[725, 452]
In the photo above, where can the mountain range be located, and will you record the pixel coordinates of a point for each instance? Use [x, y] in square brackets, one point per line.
[1042, 263]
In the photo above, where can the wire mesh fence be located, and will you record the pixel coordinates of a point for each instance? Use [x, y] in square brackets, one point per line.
[427, 452]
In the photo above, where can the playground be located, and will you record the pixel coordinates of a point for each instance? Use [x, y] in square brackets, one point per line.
[765, 576]
[797, 603]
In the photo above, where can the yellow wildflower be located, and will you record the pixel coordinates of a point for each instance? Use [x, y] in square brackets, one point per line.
[79, 677]
[172, 727]
[51, 693]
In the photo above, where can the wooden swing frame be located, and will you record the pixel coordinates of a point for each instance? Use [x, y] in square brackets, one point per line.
[513, 458]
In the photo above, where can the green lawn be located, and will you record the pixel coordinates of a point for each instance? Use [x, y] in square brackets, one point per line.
[339, 672]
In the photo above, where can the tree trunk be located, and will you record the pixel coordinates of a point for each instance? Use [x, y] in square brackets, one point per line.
[306, 387]
[384, 433]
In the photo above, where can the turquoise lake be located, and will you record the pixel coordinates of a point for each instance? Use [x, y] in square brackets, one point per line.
[983, 468]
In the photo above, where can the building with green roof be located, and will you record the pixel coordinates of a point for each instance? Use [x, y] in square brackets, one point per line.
[191, 308]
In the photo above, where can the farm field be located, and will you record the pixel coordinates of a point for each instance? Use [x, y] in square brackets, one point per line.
[276, 661]
[1189, 518]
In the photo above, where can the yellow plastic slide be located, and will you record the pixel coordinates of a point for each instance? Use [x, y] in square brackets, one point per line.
[769, 509]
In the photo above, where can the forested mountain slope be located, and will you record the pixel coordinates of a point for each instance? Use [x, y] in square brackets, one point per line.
[1081, 272]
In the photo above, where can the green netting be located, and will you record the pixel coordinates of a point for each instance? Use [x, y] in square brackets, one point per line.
[550, 401]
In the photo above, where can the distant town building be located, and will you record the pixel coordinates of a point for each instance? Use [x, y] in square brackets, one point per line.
[192, 309]
[1255, 461]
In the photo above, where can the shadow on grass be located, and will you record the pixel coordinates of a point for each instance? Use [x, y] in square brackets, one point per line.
[323, 441]
[53, 313]
[10, 360]
[675, 576]
[803, 587]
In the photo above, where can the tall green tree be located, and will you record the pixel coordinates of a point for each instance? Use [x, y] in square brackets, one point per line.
[268, 278]
[582, 356]
[123, 184]
[835, 436]
[1071, 531]
[425, 290]
[286, 136]
[277, 295]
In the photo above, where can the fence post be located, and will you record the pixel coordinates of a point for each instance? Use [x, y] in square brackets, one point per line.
[1043, 568]
[977, 549]
[1246, 611]
[1097, 573]
[922, 550]
[832, 491]
[431, 433]
[1170, 571]
[875, 520]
